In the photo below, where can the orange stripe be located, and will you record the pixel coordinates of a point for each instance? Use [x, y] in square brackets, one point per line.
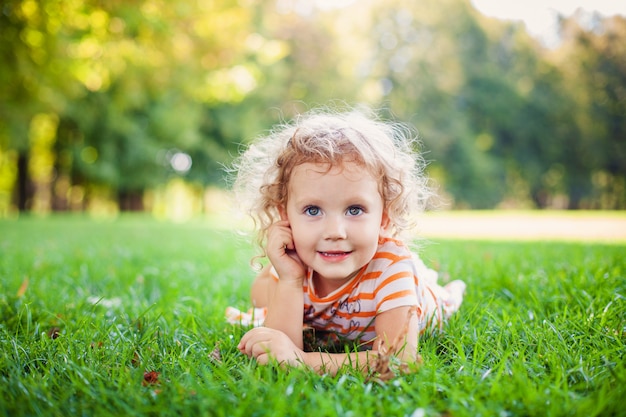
[362, 314]
[348, 289]
[388, 281]
[391, 256]
[335, 326]
[395, 296]
[392, 278]
[371, 275]
[390, 239]
[346, 316]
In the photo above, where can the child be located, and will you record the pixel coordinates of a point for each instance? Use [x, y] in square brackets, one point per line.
[331, 196]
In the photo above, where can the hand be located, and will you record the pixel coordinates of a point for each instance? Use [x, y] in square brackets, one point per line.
[282, 252]
[263, 344]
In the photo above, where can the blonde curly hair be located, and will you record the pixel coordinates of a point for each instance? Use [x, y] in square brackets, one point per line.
[387, 150]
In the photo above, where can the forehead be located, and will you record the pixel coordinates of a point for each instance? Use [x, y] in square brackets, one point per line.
[347, 171]
[350, 183]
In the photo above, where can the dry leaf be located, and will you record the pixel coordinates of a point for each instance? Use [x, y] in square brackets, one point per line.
[150, 378]
[54, 332]
[387, 365]
[216, 355]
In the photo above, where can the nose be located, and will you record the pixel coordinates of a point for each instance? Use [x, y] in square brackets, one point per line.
[334, 228]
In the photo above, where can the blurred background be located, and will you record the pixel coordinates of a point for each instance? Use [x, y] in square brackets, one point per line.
[116, 105]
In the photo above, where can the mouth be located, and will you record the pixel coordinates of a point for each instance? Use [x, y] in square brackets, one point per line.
[336, 255]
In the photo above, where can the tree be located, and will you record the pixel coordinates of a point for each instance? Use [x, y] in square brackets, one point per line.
[124, 79]
[596, 72]
[432, 61]
[33, 73]
[114, 98]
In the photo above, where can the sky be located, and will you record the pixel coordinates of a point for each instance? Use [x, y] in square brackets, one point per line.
[540, 16]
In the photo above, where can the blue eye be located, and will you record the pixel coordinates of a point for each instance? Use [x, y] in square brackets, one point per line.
[354, 210]
[312, 211]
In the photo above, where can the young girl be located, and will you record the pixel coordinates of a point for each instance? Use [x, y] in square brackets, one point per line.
[331, 196]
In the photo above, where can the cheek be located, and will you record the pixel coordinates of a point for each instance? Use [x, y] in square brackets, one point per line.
[300, 233]
[367, 236]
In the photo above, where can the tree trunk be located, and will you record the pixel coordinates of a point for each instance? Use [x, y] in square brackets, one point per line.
[130, 200]
[24, 190]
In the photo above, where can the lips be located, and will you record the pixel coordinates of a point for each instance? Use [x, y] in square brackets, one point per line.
[334, 255]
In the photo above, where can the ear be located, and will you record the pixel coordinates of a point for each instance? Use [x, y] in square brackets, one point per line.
[384, 223]
[282, 212]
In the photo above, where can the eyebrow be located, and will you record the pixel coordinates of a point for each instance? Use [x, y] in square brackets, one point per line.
[350, 200]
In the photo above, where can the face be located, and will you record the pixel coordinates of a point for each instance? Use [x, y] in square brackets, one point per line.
[336, 218]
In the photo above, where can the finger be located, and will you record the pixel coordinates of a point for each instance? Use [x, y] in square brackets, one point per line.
[244, 340]
[248, 340]
[280, 226]
[281, 242]
[282, 212]
[263, 359]
[256, 342]
[285, 241]
[260, 349]
[282, 222]
[287, 245]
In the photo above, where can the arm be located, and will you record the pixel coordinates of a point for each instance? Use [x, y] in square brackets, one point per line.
[396, 334]
[284, 299]
[264, 343]
[285, 311]
[259, 292]
[283, 302]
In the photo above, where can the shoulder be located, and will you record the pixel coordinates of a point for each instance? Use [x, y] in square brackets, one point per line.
[392, 264]
[391, 269]
[387, 244]
[390, 252]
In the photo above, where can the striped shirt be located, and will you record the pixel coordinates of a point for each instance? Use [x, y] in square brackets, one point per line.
[388, 281]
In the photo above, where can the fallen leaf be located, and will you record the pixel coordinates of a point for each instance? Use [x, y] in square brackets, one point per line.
[216, 355]
[54, 332]
[150, 378]
[387, 366]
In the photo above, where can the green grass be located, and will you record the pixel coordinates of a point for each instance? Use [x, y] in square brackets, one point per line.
[542, 330]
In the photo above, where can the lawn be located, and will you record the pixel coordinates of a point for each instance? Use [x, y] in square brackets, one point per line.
[126, 317]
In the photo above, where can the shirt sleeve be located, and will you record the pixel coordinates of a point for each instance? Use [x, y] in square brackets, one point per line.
[396, 287]
[273, 273]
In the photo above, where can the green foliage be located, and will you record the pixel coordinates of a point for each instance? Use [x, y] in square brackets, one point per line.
[132, 83]
[541, 331]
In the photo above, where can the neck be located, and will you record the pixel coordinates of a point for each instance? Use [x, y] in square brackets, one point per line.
[323, 286]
